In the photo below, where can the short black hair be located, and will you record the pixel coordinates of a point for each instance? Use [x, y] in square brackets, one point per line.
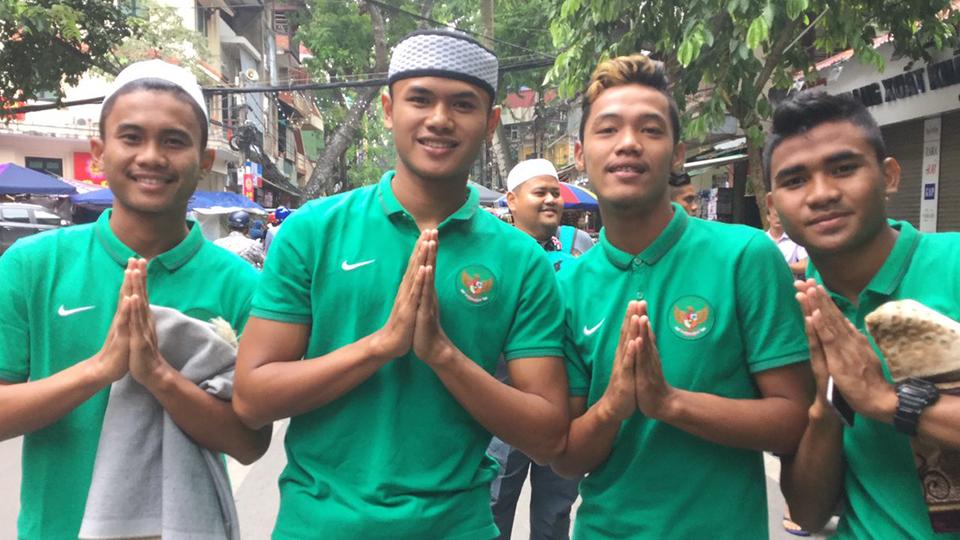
[156, 85]
[623, 70]
[679, 180]
[807, 110]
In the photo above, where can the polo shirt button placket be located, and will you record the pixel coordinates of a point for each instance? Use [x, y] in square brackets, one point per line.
[637, 268]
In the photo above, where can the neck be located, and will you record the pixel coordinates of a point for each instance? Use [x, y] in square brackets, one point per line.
[633, 230]
[849, 272]
[428, 201]
[537, 233]
[148, 235]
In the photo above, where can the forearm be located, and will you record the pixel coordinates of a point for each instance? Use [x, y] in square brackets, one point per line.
[773, 424]
[208, 420]
[283, 389]
[812, 479]
[532, 423]
[30, 406]
[940, 422]
[589, 442]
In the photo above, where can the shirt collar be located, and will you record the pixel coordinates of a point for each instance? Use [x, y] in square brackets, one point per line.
[392, 206]
[171, 259]
[655, 251]
[891, 273]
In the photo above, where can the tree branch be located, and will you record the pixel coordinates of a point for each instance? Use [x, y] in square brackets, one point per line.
[776, 53]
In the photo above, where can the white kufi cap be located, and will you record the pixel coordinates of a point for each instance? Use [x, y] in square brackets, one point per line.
[531, 168]
[160, 70]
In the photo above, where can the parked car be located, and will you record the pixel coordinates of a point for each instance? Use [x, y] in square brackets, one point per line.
[20, 219]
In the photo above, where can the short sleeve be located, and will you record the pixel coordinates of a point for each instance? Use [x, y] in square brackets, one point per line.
[578, 372]
[14, 322]
[770, 318]
[283, 293]
[537, 324]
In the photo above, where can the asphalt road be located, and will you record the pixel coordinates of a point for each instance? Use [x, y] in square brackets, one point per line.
[255, 488]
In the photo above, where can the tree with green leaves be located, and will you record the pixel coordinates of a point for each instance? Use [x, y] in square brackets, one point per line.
[728, 54]
[46, 44]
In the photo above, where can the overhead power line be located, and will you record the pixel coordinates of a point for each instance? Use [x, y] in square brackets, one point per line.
[264, 89]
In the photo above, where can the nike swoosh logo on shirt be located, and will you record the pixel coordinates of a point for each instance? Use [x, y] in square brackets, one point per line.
[64, 312]
[589, 331]
[348, 266]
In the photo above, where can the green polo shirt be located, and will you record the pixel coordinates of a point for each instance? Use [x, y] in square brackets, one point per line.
[721, 305]
[884, 497]
[58, 297]
[398, 456]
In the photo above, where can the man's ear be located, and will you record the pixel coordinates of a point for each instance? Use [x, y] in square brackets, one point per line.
[512, 201]
[578, 156]
[387, 103]
[679, 156]
[96, 150]
[493, 120]
[207, 158]
[891, 175]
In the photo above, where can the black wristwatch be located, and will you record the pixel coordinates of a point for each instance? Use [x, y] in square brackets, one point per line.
[913, 395]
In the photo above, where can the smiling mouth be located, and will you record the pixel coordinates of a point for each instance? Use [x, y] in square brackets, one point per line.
[827, 219]
[634, 169]
[438, 144]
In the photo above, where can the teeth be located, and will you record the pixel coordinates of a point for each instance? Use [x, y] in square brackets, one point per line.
[628, 168]
[437, 144]
[150, 181]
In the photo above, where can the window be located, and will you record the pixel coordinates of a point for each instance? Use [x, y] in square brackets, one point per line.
[50, 166]
[17, 215]
[46, 218]
[201, 19]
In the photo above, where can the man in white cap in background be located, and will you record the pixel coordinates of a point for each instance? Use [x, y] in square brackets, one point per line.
[380, 318]
[535, 203]
[536, 206]
[74, 313]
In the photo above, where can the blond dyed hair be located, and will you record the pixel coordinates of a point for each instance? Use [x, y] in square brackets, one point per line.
[624, 70]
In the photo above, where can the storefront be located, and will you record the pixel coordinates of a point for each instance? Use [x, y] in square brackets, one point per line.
[917, 105]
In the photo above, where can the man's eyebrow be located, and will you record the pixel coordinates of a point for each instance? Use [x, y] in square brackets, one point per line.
[790, 171]
[842, 155]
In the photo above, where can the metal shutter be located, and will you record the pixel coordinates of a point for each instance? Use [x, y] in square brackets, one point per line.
[948, 209]
[905, 143]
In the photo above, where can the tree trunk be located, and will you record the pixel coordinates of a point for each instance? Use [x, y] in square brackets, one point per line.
[755, 177]
[325, 180]
[502, 159]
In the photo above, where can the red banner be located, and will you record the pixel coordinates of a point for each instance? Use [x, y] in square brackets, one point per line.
[248, 182]
[86, 170]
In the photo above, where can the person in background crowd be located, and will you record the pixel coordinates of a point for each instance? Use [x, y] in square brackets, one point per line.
[682, 193]
[671, 448]
[239, 242]
[280, 214]
[535, 203]
[794, 254]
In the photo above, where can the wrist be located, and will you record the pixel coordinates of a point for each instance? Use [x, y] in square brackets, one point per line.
[822, 414]
[607, 412]
[159, 379]
[670, 407]
[442, 356]
[97, 373]
[882, 405]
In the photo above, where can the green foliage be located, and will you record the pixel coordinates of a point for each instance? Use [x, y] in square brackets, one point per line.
[45, 44]
[159, 32]
[373, 150]
[735, 49]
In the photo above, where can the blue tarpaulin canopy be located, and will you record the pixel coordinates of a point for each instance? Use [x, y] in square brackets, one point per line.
[200, 199]
[15, 179]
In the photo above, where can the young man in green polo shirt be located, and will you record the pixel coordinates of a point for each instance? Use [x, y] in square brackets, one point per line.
[381, 316]
[73, 313]
[682, 366]
[829, 174]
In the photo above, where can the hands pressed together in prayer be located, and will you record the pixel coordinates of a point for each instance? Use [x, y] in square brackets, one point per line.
[636, 381]
[414, 321]
[839, 350]
[131, 345]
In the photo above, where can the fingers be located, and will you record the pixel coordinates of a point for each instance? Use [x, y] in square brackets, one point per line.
[413, 264]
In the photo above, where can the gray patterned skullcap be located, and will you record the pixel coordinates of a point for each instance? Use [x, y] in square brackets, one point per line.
[444, 53]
